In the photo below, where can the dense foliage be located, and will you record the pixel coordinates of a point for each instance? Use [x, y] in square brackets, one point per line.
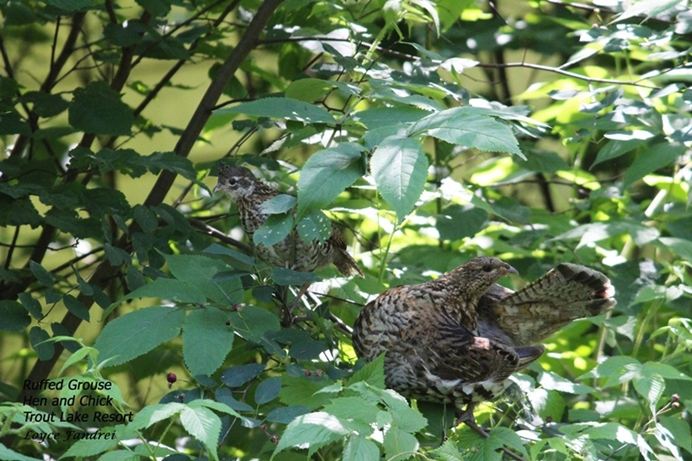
[431, 131]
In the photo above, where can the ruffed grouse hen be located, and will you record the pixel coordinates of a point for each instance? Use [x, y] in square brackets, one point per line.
[457, 339]
[249, 194]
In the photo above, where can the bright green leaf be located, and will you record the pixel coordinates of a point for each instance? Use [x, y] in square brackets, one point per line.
[400, 169]
[371, 373]
[251, 322]
[470, 127]
[359, 448]
[314, 226]
[199, 271]
[206, 340]
[136, 333]
[276, 228]
[283, 109]
[651, 159]
[203, 425]
[326, 174]
[313, 431]
[279, 204]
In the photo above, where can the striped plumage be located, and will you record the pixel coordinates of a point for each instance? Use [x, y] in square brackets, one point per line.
[249, 194]
[457, 339]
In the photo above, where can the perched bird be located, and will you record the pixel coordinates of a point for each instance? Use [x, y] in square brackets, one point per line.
[292, 252]
[458, 338]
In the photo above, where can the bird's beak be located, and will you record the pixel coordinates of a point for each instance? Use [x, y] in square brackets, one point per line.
[217, 187]
[511, 270]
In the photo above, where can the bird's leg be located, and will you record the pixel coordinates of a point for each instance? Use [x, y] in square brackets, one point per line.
[467, 418]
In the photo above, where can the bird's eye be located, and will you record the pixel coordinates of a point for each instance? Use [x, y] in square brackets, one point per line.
[232, 181]
[487, 268]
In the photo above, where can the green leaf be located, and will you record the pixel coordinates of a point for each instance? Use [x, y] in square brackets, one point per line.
[664, 370]
[267, 390]
[348, 408]
[399, 444]
[543, 161]
[457, 222]
[615, 148]
[326, 174]
[553, 381]
[169, 161]
[225, 396]
[98, 109]
[313, 431]
[371, 373]
[41, 274]
[203, 425]
[307, 350]
[678, 246]
[400, 169]
[314, 226]
[282, 276]
[650, 386]
[312, 89]
[648, 9]
[76, 307]
[470, 127]
[240, 374]
[236, 256]
[677, 431]
[285, 415]
[403, 416]
[136, 333]
[548, 404]
[17, 212]
[303, 391]
[251, 322]
[164, 288]
[156, 7]
[45, 105]
[13, 317]
[610, 366]
[214, 405]
[359, 448]
[72, 5]
[31, 305]
[152, 414]
[119, 455]
[199, 271]
[283, 109]
[279, 204]
[653, 158]
[145, 218]
[38, 335]
[207, 340]
[381, 117]
[276, 228]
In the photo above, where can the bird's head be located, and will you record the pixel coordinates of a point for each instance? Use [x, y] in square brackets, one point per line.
[479, 274]
[236, 181]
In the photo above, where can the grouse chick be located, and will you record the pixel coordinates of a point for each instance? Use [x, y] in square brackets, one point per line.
[457, 339]
[292, 252]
